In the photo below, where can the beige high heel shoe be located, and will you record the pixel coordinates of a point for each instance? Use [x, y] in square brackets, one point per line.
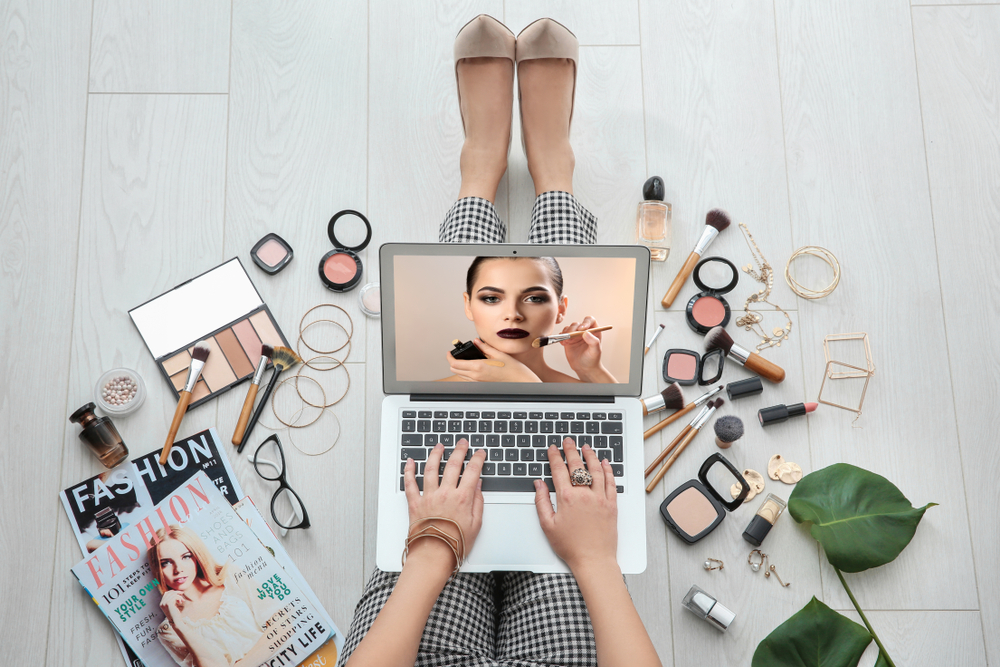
[483, 37]
[546, 38]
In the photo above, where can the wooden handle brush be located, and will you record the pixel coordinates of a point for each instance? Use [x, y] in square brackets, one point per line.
[667, 421]
[283, 359]
[673, 443]
[695, 427]
[265, 358]
[718, 338]
[199, 355]
[715, 222]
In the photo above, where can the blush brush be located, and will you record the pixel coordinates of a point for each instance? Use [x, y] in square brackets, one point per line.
[199, 355]
[265, 358]
[718, 338]
[283, 358]
[667, 421]
[671, 398]
[715, 222]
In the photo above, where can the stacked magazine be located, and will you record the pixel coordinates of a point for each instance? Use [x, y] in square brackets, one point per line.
[186, 577]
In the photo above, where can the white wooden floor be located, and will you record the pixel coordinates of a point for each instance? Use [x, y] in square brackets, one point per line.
[142, 142]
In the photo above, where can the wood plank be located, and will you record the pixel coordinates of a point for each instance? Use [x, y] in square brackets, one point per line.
[959, 65]
[151, 218]
[297, 155]
[858, 185]
[43, 90]
[160, 47]
[591, 22]
[925, 638]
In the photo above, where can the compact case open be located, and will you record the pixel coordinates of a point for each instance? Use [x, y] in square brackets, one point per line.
[695, 508]
[708, 308]
[272, 253]
[341, 268]
[685, 367]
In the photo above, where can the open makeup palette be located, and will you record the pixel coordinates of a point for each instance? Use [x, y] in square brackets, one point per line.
[221, 307]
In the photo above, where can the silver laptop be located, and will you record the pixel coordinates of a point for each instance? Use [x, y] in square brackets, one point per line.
[515, 389]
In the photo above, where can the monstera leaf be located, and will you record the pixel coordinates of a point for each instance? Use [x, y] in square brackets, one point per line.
[816, 636]
[861, 519]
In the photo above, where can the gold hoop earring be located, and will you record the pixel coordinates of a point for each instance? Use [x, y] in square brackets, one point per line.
[710, 564]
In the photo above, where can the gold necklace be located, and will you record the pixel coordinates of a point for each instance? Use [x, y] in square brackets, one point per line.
[764, 274]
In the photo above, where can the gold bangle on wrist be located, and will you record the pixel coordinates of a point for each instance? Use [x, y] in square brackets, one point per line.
[457, 545]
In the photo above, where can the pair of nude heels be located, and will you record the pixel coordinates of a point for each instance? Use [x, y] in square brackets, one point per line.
[485, 37]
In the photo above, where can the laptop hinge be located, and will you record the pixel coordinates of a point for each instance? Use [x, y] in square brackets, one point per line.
[507, 398]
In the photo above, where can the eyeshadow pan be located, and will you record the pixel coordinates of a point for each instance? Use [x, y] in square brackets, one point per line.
[681, 366]
[248, 340]
[200, 391]
[177, 363]
[265, 329]
[692, 511]
[217, 372]
[178, 379]
[708, 311]
[234, 352]
[339, 268]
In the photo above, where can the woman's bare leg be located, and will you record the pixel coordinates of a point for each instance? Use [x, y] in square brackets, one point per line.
[487, 98]
[546, 86]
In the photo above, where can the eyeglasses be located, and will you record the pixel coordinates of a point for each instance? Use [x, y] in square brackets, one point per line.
[273, 470]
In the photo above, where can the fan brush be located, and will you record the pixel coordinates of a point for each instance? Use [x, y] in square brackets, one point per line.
[283, 359]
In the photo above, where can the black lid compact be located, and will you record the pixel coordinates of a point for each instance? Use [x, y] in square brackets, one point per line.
[272, 253]
[341, 268]
[698, 506]
[685, 367]
[708, 309]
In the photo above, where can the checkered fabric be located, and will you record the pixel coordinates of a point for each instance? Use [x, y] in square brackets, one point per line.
[541, 621]
[556, 217]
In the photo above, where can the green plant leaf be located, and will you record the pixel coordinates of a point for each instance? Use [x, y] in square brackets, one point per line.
[861, 519]
[815, 636]
[882, 660]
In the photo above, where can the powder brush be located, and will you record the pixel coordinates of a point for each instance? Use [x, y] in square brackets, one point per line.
[558, 338]
[718, 338]
[671, 398]
[283, 358]
[715, 222]
[667, 421]
[199, 355]
[693, 429]
[265, 358]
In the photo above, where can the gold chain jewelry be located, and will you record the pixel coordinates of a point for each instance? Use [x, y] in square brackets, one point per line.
[764, 274]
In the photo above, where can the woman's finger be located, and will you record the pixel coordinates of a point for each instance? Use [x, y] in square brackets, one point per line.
[595, 469]
[560, 476]
[477, 503]
[573, 460]
[432, 468]
[473, 469]
[543, 504]
[610, 488]
[410, 482]
[453, 468]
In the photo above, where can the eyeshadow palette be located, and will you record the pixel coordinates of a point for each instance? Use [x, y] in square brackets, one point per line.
[221, 307]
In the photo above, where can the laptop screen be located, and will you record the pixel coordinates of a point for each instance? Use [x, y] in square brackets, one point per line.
[484, 319]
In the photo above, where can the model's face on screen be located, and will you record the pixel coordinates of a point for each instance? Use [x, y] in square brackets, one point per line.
[513, 302]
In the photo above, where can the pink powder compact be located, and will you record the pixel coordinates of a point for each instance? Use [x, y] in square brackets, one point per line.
[714, 276]
[341, 268]
[685, 367]
[695, 508]
[272, 253]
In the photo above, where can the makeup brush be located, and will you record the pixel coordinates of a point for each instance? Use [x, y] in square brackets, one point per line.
[671, 398]
[728, 429]
[199, 355]
[558, 338]
[673, 443]
[695, 428]
[653, 339]
[265, 357]
[283, 359]
[715, 222]
[667, 421]
[718, 338]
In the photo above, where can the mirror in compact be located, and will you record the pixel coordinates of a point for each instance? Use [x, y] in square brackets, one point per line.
[698, 506]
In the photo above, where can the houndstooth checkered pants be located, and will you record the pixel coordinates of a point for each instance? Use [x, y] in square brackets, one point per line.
[509, 619]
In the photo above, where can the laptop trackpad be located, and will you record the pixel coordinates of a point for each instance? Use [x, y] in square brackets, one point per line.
[511, 536]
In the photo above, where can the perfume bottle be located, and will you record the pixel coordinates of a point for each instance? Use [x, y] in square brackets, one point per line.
[101, 436]
[652, 220]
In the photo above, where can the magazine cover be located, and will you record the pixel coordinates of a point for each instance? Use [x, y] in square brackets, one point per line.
[247, 510]
[190, 584]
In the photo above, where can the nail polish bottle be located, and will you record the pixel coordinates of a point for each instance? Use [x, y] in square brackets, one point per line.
[101, 436]
[652, 221]
[708, 609]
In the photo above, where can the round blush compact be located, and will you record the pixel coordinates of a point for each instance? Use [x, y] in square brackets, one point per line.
[341, 268]
[708, 308]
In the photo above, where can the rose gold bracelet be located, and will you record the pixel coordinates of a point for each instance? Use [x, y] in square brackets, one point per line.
[457, 545]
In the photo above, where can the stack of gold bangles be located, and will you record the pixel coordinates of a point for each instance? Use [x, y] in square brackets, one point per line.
[430, 530]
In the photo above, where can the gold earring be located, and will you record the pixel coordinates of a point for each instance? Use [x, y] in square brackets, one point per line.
[761, 559]
[768, 574]
[710, 564]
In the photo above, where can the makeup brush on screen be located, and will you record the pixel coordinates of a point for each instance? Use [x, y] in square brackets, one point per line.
[715, 221]
[671, 398]
[199, 355]
[653, 339]
[718, 338]
[283, 359]
[558, 338]
[695, 428]
[265, 357]
[667, 421]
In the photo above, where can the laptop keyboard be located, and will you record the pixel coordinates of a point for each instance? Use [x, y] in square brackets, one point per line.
[516, 442]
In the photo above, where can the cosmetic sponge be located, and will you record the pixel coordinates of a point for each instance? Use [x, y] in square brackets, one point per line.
[728, 429]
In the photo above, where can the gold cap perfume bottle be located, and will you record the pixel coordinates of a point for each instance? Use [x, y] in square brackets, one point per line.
[653, 227]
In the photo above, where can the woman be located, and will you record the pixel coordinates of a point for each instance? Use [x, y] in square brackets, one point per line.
[211, 620]
[512, 301]
[423, 615]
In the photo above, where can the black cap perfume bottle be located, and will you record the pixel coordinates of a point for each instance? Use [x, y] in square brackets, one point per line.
[101, 436]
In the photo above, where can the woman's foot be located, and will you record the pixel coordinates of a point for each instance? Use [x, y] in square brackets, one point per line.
[546, 88]
[486, 95]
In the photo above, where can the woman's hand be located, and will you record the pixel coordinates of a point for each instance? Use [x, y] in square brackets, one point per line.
[585, 528]
[452, 498]
[172, 603]
[497, 367]
[584, 352]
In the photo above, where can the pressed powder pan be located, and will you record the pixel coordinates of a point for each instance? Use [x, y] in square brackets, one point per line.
[698, 506]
